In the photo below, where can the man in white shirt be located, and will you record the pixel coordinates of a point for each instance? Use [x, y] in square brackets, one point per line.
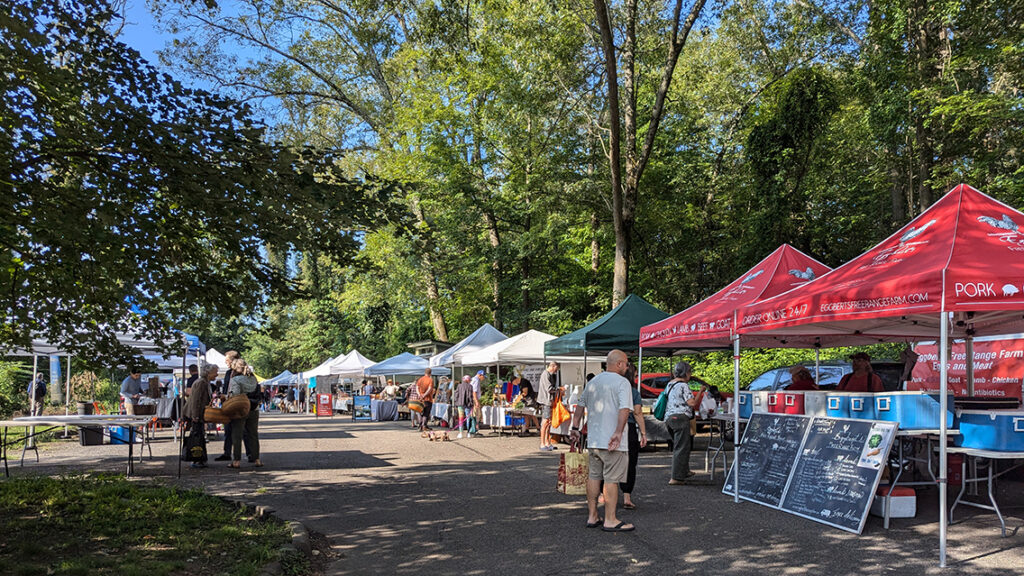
[608, 401]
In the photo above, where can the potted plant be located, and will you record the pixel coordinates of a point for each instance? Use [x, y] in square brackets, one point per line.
[83, 390]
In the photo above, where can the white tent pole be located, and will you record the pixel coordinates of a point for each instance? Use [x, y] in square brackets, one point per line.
[943, 432]
[639, 369]
[817, 364]
[31, 443]
[736, 417]
[67, 393]
[969, 350]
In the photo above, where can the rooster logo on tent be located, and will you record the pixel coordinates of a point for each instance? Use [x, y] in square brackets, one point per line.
[807, 275]
[1005, 224]
[915, 232]
[752, 276]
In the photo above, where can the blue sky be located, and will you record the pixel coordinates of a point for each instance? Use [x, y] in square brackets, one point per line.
[140, 31]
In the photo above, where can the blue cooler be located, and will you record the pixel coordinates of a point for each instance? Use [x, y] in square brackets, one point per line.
[1001, 430]
[746, 403]
[837, 405]
[913, 410]
[119, 435]
[862, 406]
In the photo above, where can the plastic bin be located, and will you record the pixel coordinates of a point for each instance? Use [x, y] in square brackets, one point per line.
[815, 403]
[913, 410]
[902, 503]
[90, 435]
[862, 406]
[792, 402]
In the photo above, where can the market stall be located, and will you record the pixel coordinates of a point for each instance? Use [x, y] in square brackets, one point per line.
[956, 271]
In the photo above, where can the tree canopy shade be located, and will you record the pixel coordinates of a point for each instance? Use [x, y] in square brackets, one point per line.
[121, 190]
[619, 328]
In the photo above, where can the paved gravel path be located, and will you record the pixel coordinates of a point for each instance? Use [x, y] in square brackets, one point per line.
[388, 501]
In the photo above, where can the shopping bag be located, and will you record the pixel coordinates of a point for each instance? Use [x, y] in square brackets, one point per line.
[559, 414]
[195, 446]
[573, 471]
[662, 403]
[415, 405]
[215, 416]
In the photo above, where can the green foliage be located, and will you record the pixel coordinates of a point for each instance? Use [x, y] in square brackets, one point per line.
[13, 385]
[124, 191]
[106, 525]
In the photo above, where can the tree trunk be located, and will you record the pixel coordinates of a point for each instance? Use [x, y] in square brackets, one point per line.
[595, 246]
[430, 275]
[492, 235]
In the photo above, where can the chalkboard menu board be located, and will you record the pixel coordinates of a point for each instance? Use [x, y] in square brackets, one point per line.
[824, 469]
[769, 449]
[838, 470]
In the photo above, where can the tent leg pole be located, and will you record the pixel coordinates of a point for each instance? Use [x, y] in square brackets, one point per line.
[639, 369]
[817, 364]
[736, 418]
[943, 432]
[67, 393]
[31, 442]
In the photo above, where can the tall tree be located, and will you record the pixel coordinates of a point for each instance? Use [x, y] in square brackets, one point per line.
[132, 204]
[625, 191]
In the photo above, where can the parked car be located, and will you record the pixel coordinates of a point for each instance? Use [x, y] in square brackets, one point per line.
[830, 373]
[652, 384]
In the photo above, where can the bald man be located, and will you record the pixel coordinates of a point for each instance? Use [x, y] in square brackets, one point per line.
[608, 401]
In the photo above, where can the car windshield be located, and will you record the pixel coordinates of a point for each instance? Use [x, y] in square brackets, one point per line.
[765, 381]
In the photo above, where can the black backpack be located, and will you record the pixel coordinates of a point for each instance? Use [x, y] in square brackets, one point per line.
[40, 390]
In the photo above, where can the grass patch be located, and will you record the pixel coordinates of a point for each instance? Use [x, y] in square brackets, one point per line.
[96, 525]
[54, 435]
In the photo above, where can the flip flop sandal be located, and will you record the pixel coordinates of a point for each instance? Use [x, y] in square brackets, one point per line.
[595, 524]
[620, 527]
[629, 506]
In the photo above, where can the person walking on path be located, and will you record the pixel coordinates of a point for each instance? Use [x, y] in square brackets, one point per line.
[547, 395]
[476, 413]
[425, 387]
[244, 382]
[607, 402]
[679, 411]
[229, 358]
[37, 395]
[195, 407]
[464, 405]
[637, 434]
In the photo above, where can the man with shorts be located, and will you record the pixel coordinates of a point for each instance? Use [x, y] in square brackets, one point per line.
[547, 395]
[425, 387]
[608, 401]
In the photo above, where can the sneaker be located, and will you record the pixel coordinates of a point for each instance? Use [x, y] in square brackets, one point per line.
[469, 435]
[459, 437]
[545, 448]
[222, 458]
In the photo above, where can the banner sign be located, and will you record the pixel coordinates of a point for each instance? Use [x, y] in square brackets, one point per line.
[324, 405]
[998, 367]
[361, 408]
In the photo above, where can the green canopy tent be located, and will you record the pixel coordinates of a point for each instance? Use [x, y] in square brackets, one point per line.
[618, 329]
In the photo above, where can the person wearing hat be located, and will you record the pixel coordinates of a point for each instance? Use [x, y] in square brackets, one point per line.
[863, 378]
[802, 379]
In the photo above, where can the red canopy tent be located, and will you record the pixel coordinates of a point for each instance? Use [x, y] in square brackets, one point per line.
[709, 323]
[957, 270]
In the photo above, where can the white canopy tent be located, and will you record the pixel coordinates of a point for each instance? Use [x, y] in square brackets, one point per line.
[351, 365]
[324, 369]
[481, 338]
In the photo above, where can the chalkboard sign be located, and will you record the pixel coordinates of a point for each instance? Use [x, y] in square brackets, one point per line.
[838, 470]
[769, 449]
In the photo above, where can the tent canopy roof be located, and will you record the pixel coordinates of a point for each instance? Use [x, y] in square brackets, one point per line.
[351, 364]
[710, 322]
[618, 329]
[964, 255]
[405, 364]
[481, 338]
[524, 348]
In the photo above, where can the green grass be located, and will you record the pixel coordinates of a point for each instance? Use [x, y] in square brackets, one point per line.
[43, 438]
[96, 525]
